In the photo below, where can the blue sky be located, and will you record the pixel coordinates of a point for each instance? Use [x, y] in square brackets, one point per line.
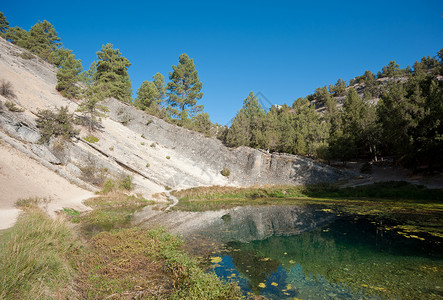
[279, 49]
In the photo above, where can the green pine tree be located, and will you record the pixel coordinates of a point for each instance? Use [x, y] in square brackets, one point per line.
[184, 89]
[43, 40]
[112, 74]
[67, 75]
[4, 24]
[147, 96]
[92, 107]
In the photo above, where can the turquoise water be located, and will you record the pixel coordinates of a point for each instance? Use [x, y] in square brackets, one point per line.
[350, 257]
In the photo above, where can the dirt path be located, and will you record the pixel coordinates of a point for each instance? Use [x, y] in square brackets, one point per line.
[22, 177]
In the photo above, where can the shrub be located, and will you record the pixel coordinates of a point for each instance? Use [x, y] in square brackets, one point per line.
[153, 145]
[108, 186]
[91, 139]
[56, 124]
[6, 89]
[168, 157]
[142, 143]
[126, 183]
[225, 172]
[147, 165]
[12, 107]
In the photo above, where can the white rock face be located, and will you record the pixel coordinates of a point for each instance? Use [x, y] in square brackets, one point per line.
[154, 153]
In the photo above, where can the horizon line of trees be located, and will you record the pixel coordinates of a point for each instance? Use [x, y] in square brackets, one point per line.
[406, 122]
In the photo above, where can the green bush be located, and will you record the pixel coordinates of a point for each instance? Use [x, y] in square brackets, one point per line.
[13, 107]
[153, 145]
[126, 183]
[168, 157]
[147, 165]
[225, 172]
[91, 139]
[108, 186]
[55, 124]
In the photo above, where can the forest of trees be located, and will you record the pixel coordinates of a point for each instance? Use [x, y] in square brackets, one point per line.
[396, 113]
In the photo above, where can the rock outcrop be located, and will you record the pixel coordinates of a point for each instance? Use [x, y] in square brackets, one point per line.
[155, 153]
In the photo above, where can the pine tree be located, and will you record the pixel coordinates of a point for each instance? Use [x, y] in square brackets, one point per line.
[112, 74]
[17, 35]
[339, 89]
[322, 95]
[43, 40]
[91, 106]
[87, 76]
[147, 96]
[159, 82]
[67, 75]
[184, 89]
[247, 126]
[4, 24]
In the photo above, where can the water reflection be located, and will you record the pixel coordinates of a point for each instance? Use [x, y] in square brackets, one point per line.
[251, 223]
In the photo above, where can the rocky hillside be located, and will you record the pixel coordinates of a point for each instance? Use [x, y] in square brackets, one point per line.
[154, 153]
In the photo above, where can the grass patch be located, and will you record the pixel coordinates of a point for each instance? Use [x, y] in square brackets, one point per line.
[213, 198]
[34, 256]
[135, 263]
[30, 202]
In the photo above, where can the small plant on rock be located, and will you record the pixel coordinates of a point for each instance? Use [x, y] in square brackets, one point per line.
[6, 89]
[91, 139]
[168, 157]
[225, 172]
[12, 107]
[126, 183]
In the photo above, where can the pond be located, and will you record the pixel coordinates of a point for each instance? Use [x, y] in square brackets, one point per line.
[319, 252]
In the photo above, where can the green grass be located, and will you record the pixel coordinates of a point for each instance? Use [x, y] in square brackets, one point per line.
[35, 258]
[148, 264]
[213, 198]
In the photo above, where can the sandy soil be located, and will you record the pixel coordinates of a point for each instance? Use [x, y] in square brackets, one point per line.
[21, 177]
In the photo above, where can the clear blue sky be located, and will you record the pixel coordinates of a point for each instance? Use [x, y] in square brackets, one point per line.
[280, 49]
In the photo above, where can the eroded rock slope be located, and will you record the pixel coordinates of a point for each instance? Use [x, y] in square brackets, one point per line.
[154, 153]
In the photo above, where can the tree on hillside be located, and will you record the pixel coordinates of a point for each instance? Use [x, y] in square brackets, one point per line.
[112, 74]
[43, 40]
[87, 76]
[360, 122]
[17, 36]
[246, 128]
[339, 89]
[91, 106]
[322, 95]
[159, 82]
[67, 75]
[202, 123]
[184, 89]
[147, 96]
[4, 24]
[310, 128]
